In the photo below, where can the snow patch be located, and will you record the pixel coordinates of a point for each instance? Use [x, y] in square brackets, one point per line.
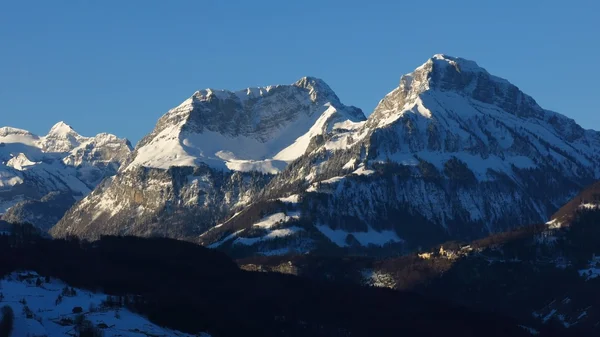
[272, 234]
[275, 219]
[362, 171]
[292, 199]
[371, 237]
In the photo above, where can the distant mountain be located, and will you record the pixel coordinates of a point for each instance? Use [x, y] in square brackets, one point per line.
[452, 153]
[42, 177]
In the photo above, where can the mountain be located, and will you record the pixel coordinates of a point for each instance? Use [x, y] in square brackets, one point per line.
[207, 157]
[452, 153]
[256, 129]
[42, 177]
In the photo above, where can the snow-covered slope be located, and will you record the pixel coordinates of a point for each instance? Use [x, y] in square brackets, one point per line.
[45, 309]
[452, 153]
[62, 161]
[256, 129]
[207, 157]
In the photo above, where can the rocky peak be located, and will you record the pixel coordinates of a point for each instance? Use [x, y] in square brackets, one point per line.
[443, 76]
[317, 88]
[244, 130]
[61, 138]
[445, 72]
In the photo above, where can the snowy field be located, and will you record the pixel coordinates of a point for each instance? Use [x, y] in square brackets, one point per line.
[49, 317]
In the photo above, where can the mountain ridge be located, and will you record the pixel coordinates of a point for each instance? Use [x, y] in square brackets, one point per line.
[453, 152]
[464, 150]
[42, 176]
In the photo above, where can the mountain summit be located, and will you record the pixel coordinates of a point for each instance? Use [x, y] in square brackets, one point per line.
[255, 129]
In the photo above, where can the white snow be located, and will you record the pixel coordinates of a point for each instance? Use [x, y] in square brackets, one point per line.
[61, 129]
[350, 164]
[173, 147]
[267, 223]
[265, 166]
[362, 171]
[272, 234]
[48, 314]
[371, 237]
[292, 199]
[9, 178]
[280, 130]
[10, 135]
[299, 146]
[478, 165]
[275, 219]
[20, 162]
[227, 238]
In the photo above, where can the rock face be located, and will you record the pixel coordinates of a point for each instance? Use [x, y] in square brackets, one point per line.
[207, 157]
[41, 177]
[452, 153]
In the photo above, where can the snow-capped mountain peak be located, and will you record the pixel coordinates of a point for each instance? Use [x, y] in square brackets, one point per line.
[61, 138]
[62, 129]
[64, 162]
[244, 130]
[448, 73]
[317, 88]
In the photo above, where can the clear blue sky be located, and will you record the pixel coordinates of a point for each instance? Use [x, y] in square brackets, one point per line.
[117, 66]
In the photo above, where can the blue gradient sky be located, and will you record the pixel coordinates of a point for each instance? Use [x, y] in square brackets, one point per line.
[117, 66]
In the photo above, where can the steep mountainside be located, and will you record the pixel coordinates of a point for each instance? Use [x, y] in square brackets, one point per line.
[452, 153]
[205, 158]
[41, 177]
[545, 275]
